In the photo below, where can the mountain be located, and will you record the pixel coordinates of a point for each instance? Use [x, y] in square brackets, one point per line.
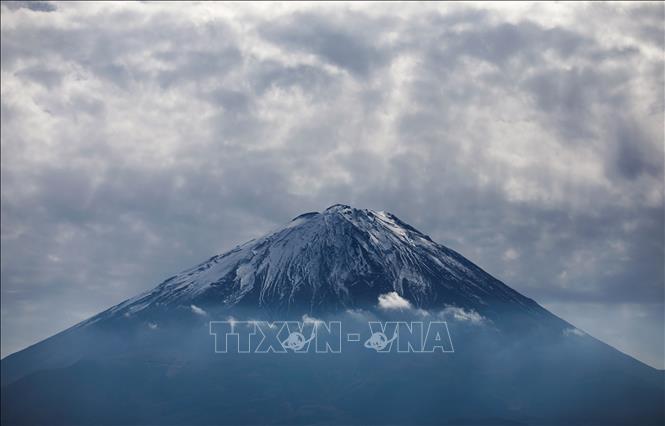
[152, 360]
[341, 258]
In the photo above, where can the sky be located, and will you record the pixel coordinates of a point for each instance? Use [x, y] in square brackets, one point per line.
[139, 139]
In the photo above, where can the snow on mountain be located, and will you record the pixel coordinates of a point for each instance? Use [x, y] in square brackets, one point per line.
[340, 258]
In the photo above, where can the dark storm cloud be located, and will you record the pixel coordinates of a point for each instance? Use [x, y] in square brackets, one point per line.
[139, 139]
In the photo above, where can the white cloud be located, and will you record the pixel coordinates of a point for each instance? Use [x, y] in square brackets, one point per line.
[358, 314]
[198, 311]
[310, 320]
[393, 300]
[461, 314]
[573, 332]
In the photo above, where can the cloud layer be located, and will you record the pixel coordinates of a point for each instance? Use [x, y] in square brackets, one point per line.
[140, 138]
[392, 301]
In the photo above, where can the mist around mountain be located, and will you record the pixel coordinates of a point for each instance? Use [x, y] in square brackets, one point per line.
[152, 358]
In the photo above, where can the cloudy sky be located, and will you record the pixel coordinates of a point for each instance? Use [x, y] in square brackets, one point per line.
[140, 139]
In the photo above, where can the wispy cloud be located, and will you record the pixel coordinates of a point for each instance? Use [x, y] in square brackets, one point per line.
[310, 320]
[573, 332]
[461, 314]
[198, 311]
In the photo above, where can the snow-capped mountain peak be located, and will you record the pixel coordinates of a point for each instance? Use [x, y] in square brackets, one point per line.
[340, 258]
